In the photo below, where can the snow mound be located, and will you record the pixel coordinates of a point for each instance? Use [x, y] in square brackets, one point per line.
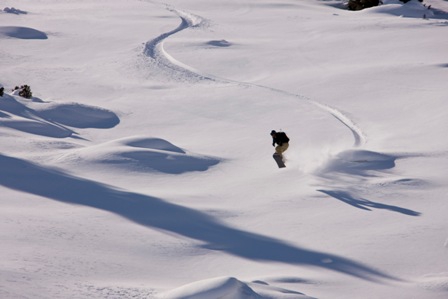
[221, 287]
[80, 116]
[141, 154]
[15, 114]
[154, 143]
[359, 162]
[435, 282]
[37, 117]
[219, 43]
[412, 9]
[22, 32]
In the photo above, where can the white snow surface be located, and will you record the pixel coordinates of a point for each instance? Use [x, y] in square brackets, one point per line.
[141, 167]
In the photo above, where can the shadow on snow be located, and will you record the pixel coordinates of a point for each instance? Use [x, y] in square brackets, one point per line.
[155, 213]
[22, 32]
[365, 204]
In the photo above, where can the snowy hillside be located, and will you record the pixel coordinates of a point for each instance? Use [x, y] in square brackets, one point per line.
[141, 167]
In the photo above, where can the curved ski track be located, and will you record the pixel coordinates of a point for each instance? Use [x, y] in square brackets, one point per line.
[154, 49]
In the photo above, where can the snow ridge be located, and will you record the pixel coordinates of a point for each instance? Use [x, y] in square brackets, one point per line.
[221, 287]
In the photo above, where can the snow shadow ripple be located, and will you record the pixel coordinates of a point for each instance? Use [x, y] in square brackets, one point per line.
[155, 213]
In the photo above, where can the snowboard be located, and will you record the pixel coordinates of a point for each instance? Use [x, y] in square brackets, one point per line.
[278, 158]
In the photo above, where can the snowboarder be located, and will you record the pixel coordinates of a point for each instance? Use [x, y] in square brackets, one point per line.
[282, 142]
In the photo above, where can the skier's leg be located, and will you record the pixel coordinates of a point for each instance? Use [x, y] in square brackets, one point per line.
[279, 149]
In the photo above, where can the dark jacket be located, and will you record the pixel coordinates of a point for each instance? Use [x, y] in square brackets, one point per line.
[279, 138]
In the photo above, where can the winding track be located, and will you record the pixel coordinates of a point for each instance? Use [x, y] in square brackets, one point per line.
[154, 50]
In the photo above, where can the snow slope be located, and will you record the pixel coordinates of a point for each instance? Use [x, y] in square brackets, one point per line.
[142, 166]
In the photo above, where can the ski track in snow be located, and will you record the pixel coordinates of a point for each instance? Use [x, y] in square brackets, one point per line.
[154, 49]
